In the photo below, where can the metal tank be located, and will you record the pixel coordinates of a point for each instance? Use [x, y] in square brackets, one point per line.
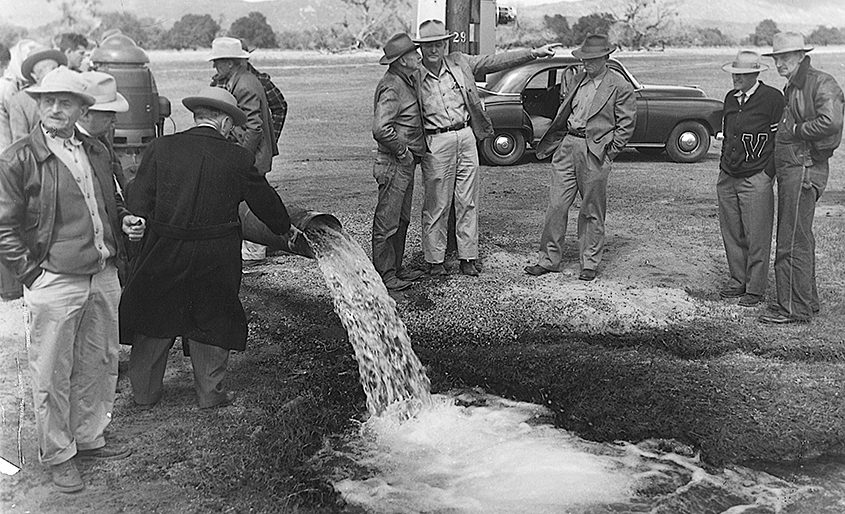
[119, 56]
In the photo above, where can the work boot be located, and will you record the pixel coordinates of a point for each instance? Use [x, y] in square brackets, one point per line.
[66, 477]
[437, 270]
[107, 452]
[396, 284]
[468, 268]
[410, 274]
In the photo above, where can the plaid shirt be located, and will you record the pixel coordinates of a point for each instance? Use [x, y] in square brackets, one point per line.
[275, 99]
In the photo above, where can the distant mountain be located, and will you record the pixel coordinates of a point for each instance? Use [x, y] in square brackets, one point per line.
[733, 17]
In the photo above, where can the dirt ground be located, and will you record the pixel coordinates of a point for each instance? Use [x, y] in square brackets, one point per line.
[647, 350]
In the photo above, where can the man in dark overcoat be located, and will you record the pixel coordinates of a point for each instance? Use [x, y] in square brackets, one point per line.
[186, 277]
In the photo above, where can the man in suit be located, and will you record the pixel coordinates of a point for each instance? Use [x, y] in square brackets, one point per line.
[187, 274]
[454, 120]
[746, 168]
[256, 134]
[594, 122]
[809, 131]
[61, 228]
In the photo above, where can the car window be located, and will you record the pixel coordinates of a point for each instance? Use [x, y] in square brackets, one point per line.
[540, 80]
[564, 77]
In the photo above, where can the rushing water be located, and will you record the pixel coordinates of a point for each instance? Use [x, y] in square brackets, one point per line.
[475, 453]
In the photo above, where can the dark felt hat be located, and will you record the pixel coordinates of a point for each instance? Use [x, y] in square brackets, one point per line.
[41, 54]
[594, 45]
[397, 46]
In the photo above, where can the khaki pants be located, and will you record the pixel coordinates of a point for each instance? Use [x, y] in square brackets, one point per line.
[148, 361]
[575, 170]
[746, 216]
[73, 359]
[450, 170]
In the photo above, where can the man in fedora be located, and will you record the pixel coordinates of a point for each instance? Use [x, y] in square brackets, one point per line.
[256, 133]
[595, 120]
[61, 227]
[23, 109]
[98, 122]
[187, 274]
[809, 131]
[397, 128]
[454, 120]
[747, 168]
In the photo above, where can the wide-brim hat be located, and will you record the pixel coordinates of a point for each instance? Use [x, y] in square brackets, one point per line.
[103, 88]
[397, 46]
[63, 80]
[431, 31]
[594, 46]
[219, 99]
[747, 61]
[227, 48]
[785, 42]
[41, 54]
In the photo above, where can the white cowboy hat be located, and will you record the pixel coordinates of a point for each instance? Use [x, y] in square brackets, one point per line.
[227, 48]
[431, 31]
[216, 98]
[747, 61]
[103, 88]
[63, 80]
[784, 42]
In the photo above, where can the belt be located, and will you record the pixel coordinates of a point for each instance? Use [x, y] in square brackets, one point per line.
[581, 135]
[194, 233]
[457, 126]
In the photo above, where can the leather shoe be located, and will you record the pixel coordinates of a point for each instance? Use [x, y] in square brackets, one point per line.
[396, 284]
[468, 268]
[66, 477]
[410, 274]
[780, 319]
[107, 452]
[437, 270]
[587, 274]
[537, 270]
[750, 300]
[732, 292]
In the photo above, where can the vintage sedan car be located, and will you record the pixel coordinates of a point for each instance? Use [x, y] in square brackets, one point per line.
[522, 102]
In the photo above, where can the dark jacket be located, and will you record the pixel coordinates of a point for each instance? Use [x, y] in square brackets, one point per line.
[256, 135]
[186, 277]
[397, 117]
[749, 130]
[610, 120]
[464, 68]
[814, 111]
[28, 180]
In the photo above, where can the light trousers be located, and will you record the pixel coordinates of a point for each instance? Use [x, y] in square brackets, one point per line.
[746, 216]
[148, 362]
[575, 170]
[73, 359]
[450, 171]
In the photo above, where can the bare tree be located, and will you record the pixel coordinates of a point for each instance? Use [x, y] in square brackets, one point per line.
[642, 22]
[371, 22]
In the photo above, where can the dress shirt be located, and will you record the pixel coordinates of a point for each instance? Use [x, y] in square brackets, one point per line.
[581, 103]
[443, 103]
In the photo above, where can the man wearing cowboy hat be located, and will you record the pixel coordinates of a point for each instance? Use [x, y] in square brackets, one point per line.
[61, 226]
[256, 133]
[187, 274]
[454, 120]
[23, 109]
[397, 128]
[744, 187]
[809, 131]
[594, 122]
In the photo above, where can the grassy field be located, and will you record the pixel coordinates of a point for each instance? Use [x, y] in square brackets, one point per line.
[648, 350]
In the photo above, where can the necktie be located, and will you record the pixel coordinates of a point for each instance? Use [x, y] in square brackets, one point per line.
[742, 99]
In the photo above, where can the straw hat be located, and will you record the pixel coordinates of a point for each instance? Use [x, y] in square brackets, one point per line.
[227, 48]
[38, 54]
[431, 31]
[594, 45]
[397, 46]
[216, 98]
[785, 42]
[63, 80]
[103, 88]
[747, 61]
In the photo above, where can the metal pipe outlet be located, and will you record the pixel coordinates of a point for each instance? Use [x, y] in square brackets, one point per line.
[253, 229]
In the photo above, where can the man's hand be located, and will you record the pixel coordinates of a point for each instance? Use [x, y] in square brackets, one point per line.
[545, 50]
[134, 227]
[406, 158]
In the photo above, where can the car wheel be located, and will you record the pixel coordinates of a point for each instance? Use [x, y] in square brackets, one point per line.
[688, 142]
[650, 150]
[503, 148]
